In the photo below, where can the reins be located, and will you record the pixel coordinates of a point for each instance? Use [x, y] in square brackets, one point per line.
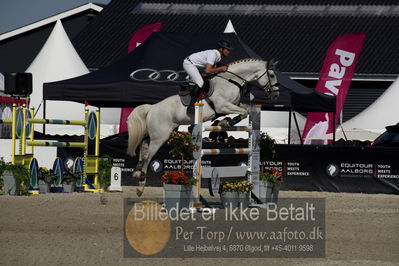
[268, 84]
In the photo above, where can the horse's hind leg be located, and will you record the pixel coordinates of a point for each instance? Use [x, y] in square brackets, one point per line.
[158, 137]
[138, 172]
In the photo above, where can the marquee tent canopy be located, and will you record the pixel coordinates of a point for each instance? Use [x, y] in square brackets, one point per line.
[114, 86]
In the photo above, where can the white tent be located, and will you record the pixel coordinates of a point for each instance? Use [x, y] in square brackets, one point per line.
[371, 122]
[350, 134]
[58, 60]
[381, 113]
[229, 28]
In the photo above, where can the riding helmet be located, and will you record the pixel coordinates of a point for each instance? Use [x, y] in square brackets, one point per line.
[224, 44]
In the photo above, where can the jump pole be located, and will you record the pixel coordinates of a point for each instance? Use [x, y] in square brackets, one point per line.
[253, 151]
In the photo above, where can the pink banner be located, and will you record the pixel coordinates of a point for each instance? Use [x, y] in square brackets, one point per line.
[137, 38]
[335, 78]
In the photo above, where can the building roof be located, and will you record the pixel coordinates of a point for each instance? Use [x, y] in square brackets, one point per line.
[19, 47]
[296, 34]
[50, 20]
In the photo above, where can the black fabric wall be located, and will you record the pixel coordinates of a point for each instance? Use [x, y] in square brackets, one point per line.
[305, 167]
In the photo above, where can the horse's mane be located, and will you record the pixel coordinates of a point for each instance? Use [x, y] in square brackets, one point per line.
[244, 61]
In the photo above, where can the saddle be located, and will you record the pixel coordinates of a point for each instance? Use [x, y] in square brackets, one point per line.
[189, 91]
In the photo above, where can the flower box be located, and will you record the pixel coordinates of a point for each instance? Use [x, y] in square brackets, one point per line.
[269, 187]
[44, 187]
[230, 199]
[177, 196]
[69, 186]
[10, 185]
[235, 194]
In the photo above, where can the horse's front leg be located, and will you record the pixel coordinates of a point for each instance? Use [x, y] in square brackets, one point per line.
[229, 108]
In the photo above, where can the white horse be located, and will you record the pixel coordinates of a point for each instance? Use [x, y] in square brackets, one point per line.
[151, 125]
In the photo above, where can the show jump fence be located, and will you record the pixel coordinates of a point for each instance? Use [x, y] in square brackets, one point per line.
[23, 122]
[215, 173]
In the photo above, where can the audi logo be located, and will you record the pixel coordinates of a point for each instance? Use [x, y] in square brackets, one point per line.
[166, 75]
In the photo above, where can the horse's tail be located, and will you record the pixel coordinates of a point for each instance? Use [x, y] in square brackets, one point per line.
[137, 127]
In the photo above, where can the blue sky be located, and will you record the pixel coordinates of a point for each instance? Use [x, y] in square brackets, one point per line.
[18, 13]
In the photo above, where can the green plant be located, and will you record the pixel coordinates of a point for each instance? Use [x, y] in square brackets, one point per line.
[266, 145]
[183, 147]
[47, 175]
[104, 171]
[69, 176]
[178, 178]
[20, 173]
[243, 186]
[272, 175]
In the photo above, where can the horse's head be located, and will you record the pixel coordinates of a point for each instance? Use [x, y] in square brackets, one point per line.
[267, 78]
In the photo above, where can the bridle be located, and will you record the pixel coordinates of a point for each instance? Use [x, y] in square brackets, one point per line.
[267, 87]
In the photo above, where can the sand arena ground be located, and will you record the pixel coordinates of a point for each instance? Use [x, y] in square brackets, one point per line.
[87, 229]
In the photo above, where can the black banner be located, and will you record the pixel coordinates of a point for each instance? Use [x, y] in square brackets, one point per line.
[338, 169]
[305, 167]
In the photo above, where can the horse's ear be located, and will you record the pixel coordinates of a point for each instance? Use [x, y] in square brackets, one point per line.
[273, 63]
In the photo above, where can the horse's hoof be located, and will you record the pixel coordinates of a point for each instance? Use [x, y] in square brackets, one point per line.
[139, 192]
[223, 123]
[136, 174]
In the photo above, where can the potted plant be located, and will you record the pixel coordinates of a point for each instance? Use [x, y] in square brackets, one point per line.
[271, 180]
[178, 188]
[46, 179]
[228, 194]
[244, 187]
[69, 181]
[234, 194]
[15, 178]
[104, 171]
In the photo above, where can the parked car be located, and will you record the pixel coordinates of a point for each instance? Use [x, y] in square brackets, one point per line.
[389, 138]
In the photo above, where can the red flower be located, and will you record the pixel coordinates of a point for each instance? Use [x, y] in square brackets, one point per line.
[177, 178]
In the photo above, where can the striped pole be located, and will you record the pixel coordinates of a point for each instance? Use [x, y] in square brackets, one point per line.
[86, 148]
[253, 143]
[32, 130]
[57, 144]
[23, 136]
[97, 148]
[57, 122]
[234, 128]
[197, 139]
[226, 151]
[14, 133]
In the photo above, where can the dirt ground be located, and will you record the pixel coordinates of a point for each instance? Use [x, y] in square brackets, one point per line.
[87, 229]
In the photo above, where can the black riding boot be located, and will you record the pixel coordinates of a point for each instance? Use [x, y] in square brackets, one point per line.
[194, 97]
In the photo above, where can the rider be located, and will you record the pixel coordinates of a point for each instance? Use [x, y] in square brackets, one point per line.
[206, 60]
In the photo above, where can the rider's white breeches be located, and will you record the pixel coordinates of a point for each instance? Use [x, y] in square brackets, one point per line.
[193, 72]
